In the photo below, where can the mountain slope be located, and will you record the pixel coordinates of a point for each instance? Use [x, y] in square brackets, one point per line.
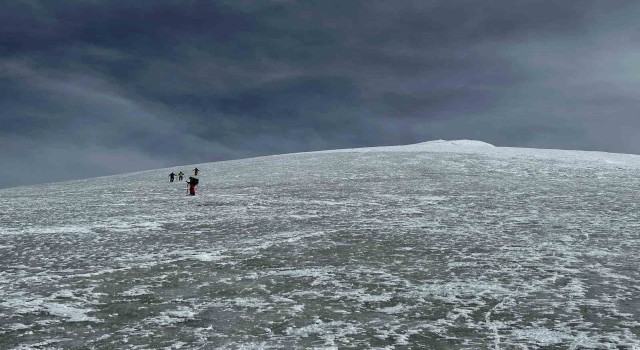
[441, 244]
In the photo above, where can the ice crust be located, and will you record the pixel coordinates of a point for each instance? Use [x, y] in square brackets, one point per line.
[442, 244]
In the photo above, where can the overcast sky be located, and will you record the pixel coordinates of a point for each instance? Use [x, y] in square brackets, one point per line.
[91, 87]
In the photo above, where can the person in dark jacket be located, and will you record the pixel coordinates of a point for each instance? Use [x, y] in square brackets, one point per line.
[172, 176]
[195, 171]
[193, 182]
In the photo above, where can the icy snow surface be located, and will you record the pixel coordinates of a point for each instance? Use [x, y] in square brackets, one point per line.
[444, 244]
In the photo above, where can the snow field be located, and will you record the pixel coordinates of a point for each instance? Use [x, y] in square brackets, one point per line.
[436, 245]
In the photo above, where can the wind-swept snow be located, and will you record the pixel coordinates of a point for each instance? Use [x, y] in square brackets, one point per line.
[442, 244]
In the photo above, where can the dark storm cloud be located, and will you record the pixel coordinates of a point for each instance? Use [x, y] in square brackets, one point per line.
[116, 86]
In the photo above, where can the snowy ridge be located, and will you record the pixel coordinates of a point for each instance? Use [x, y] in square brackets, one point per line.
[452, 146]
[487, 149]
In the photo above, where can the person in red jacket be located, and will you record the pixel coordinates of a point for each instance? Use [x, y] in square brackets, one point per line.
[193, 182]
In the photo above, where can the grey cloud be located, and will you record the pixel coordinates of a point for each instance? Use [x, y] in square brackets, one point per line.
[188, 81]
[89, 128]
[27, 161]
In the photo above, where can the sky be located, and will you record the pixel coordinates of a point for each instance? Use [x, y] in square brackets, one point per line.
[91, 88]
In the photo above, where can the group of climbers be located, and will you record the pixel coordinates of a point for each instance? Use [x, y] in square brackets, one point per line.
[172, 176]
[193, 180]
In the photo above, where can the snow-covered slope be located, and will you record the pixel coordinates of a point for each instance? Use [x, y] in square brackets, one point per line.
[479, 147]
[444, 244]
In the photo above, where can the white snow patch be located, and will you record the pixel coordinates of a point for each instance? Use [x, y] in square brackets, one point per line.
[51, 230]
[73, 314]
[250, 302]
[167, 318]
[541, 336]
[208, 257]
[398, 309]
[18, 326]
[327, 331]
[137, 291]
[23, 305]
[364, 298]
